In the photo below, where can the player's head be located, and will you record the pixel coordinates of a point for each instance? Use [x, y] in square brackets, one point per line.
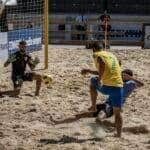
[97, 47]
[128, 72]
[22, 46]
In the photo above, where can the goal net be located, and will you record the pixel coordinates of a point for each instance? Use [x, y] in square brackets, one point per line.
[22, 20]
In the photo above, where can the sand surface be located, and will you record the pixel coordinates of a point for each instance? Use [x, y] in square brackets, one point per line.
[25, 121]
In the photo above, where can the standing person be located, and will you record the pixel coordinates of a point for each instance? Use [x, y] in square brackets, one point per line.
[20, 60]
[82, 26]
[109, 76]
[106, 27]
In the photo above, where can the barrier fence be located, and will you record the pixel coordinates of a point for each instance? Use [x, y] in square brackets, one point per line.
[125, 32]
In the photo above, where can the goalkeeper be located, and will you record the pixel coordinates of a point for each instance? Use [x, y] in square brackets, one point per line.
[20, 60]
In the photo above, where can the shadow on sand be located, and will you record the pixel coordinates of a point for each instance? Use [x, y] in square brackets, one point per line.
[9, 93]
[67, 139]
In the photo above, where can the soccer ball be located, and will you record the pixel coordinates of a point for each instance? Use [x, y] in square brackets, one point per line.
[47, 79]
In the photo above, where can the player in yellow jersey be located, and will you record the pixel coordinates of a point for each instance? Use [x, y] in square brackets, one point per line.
[108, 81]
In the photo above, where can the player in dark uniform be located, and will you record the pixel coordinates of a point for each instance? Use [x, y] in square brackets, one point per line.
[20, 60]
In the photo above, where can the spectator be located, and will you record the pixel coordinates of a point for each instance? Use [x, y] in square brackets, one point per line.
[82, 20]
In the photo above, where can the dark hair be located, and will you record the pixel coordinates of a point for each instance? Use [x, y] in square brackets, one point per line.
[97, 46]
[128, 71]
[22, 43]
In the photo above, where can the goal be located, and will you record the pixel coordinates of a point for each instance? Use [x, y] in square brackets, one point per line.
[24, 20]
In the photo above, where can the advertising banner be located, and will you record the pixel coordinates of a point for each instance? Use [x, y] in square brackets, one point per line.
[32, 36]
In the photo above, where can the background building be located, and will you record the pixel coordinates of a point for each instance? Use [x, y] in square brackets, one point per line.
[138, 7]
[68, 16]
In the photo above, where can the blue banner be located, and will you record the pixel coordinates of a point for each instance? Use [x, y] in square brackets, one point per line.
[32, 36]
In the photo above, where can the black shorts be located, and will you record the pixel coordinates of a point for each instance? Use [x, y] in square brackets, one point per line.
[19, 79]
[106, 108]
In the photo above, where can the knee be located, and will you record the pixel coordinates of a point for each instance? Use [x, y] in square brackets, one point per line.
[38, 77]
[117, 112]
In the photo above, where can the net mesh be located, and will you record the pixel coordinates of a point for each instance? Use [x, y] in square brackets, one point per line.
[22, 20]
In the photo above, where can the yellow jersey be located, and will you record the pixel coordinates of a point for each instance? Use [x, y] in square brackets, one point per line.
[112, 72]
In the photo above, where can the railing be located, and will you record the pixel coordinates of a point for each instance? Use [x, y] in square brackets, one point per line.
[126, 35]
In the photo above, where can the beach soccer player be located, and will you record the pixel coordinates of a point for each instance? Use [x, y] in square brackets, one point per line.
[109, 76]
[105, 110]
[19, 61]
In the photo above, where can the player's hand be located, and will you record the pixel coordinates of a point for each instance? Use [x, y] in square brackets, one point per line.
[84, 71]
[36, 61]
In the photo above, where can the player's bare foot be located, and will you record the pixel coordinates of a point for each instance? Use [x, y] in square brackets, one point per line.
[117, 135]
[92, 109]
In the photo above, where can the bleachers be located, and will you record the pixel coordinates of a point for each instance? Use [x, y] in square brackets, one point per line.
[125, 30]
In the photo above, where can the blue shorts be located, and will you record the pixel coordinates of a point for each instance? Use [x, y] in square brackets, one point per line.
[115, 93]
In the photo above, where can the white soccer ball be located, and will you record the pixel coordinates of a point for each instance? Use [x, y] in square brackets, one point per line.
[47, 79]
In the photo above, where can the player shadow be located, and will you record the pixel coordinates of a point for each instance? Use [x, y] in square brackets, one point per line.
[29, 95]
[141, 129]
[67, 139]
[9, 93]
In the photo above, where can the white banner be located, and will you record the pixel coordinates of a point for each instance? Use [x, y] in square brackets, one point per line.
[3, 45]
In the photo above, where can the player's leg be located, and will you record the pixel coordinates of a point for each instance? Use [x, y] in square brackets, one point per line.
[95, 87]
[33, 76]
[93, 93]
[116, 99]
[38, 79]
[17, 83]
[118, 120]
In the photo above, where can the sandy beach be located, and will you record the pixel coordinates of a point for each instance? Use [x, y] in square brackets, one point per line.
[25, 121]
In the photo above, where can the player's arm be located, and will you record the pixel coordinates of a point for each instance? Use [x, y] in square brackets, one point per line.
[101, 67]
[86, 71]
[6, 63]
[32, 63]
[10, 59]
[128, 77]
[138, 83]
[74, 118]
